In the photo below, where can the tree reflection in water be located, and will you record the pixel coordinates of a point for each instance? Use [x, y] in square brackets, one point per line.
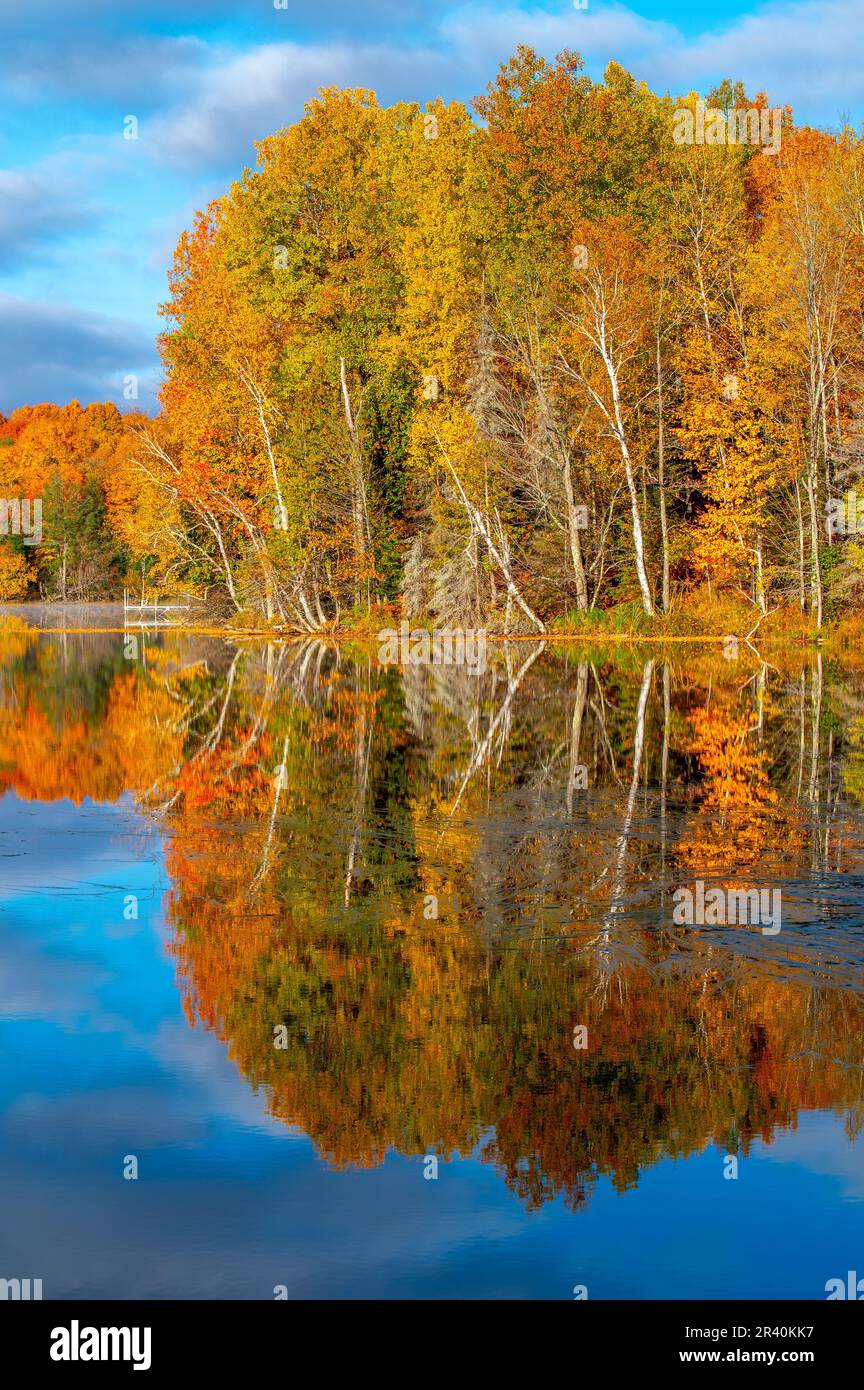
[420, 881]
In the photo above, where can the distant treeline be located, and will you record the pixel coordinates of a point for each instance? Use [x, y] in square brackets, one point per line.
[69, 524]
[582, 348]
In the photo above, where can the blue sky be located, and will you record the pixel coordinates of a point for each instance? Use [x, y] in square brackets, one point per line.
[88, 219]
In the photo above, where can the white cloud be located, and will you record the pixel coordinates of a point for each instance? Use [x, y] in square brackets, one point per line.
[252, 94]
[38, 205]
[810, 55]
[62, 353]
[127, 68]
[487, 36]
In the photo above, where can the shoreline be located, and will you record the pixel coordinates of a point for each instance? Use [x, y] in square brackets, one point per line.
[347, 635]
[107, 618]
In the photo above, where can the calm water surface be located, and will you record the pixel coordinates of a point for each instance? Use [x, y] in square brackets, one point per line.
[289, 929]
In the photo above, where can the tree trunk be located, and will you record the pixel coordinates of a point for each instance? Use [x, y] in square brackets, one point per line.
[638, 543]
[358, 493]
[575, 541]
[802, 594]
[661, 476]
[759, 582]
[620, 434]
[815, 567]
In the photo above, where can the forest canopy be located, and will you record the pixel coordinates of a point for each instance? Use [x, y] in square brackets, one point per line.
[500, 367]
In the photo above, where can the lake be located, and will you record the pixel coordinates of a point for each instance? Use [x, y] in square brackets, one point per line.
[323, 979]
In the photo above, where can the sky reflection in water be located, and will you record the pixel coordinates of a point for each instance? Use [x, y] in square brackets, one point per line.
[287, 818]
